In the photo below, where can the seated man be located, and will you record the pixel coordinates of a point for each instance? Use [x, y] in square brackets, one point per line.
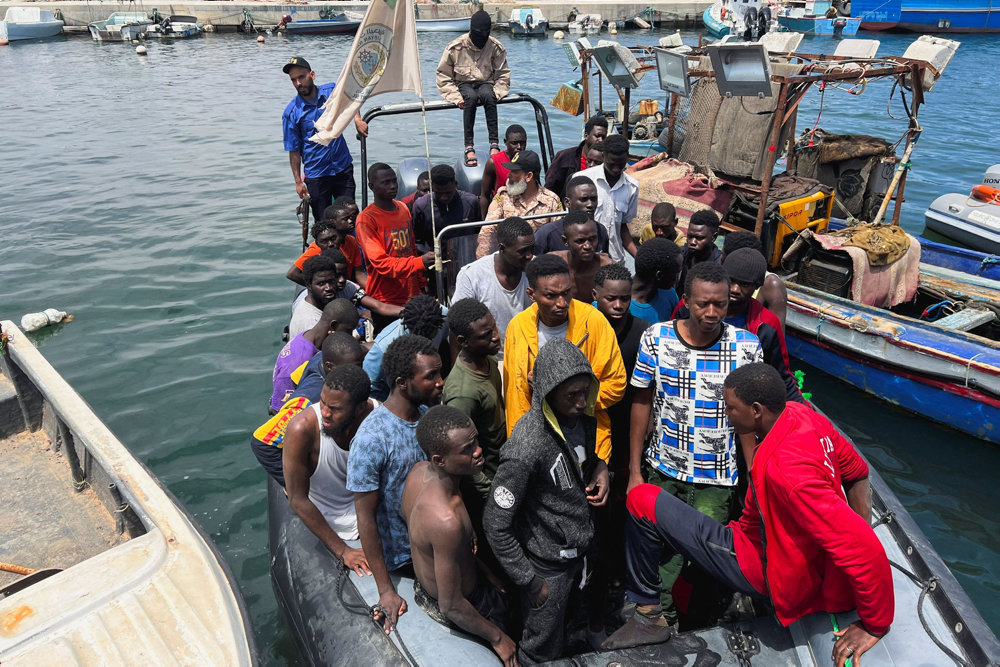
[314, 460]
[538, 517]
[451, 207]
[423, 187]
[383, 452]
[522, 196]
[449, 586]
[325, 235]
[320, 274]
[422, 316]
[338, 315]
[339, 349]
[498, 280]
[804, 539]
[662, 225]
[772, 293]
[653, 294]
[556, 314]
[580, 237]
[473, 72]
[703, 228]
[581, 195]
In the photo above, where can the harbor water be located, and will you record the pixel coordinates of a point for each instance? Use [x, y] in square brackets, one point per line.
[150, 197]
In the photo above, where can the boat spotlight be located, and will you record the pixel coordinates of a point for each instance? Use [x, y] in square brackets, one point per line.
[672, 69]
[741, 70]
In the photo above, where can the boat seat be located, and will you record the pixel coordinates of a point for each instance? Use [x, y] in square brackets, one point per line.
[967, 319]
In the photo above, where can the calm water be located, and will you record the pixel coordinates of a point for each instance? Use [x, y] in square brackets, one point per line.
[150, 196]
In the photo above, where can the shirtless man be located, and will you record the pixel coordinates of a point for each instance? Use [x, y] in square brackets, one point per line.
[314, 458]
[580, 236]
[442, 541]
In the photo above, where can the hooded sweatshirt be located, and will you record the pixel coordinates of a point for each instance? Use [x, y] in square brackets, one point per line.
[538, 502]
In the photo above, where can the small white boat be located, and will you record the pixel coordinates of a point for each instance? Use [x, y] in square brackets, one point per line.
[175, 26]
[121, 27]
[972, 219]
[460, 24]
[586, 24]
[102, 566]
[29, 23]
[528, 22]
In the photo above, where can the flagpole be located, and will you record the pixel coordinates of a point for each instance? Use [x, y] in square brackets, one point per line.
[438, 264]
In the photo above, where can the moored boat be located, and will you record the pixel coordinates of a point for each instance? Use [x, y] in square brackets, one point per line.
[586, 24]
[121, 27]
[459, 24]
[972, 219]
[123, 574]
[175, 26]
[338, 24]
[749, 19]
[528, 22]
[937, 16]
[816, 17]
[29, 23]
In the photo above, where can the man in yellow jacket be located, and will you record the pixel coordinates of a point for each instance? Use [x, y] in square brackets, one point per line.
[555, 314]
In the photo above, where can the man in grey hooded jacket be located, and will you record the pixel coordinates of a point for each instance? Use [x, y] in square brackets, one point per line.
[538, 517]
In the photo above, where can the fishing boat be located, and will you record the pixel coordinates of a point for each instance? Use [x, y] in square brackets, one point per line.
[816, 17]
[748, 18]
[460, 24]
[972, 219]
[586, 24]
[175, 26]
[528, 22]
[121, 27]
[110, 568]
[29, 23]
[937, 16]
[339, 24]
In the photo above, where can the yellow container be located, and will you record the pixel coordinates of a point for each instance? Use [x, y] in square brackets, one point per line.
[809, 212]
[648, 107]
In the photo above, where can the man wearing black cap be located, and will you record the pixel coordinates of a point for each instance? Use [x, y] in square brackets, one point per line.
[322, 172]
[522, 196]
[473, 72]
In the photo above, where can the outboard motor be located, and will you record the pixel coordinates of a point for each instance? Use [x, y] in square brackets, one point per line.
[838, 28]
[407, 174]
[470, 179]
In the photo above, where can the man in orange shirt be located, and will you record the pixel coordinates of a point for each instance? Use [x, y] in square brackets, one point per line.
[395, 271]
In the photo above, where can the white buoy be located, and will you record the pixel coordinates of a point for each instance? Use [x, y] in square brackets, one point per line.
[558, 34]
[260, 38]
[208, 27]
[141, 50]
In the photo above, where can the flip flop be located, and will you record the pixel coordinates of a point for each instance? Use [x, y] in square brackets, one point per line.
[470, 157]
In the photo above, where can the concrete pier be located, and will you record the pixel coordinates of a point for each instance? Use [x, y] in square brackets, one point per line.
[227, 14]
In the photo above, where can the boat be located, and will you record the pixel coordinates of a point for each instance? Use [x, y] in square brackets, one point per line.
[586, 24]
[121, 27]
[112, 569]
[528, 22]
[29, 23]
[329, 608]
[175, 26]
[816, 17]
[749, 19]
[972, 219]
[937, 16]
[460, 24]
[339, 24]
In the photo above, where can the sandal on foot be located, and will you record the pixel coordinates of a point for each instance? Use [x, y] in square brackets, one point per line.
[470, 157]
[494, 149]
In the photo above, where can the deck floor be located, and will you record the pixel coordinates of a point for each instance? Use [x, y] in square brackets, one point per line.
[43, 521]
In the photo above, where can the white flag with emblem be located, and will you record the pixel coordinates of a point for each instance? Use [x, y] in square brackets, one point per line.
[383, 59]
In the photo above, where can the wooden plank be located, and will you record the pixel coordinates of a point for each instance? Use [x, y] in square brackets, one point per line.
[967, 319]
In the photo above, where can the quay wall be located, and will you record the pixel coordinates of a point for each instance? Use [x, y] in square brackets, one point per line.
[227, 14]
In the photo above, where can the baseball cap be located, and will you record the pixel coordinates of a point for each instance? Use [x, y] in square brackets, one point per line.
[296, 61]
[525, 161]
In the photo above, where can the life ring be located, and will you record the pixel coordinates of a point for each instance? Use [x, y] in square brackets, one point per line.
[722, 13]
[986, 193]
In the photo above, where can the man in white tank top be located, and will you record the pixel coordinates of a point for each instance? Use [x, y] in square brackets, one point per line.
[315, 462]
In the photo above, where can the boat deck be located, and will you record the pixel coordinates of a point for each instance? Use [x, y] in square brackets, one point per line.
[45, 523]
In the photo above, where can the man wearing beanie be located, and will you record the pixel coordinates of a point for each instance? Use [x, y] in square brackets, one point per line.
[473, 72]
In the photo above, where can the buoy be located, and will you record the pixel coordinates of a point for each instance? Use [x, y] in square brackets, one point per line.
[36, 321]
[986, 193]
[613, 29]
[141, 50]
[208, 27]
[558, 34]
[3, 41]
[260, 38]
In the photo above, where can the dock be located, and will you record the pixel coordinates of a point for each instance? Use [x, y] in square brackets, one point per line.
[226, 15]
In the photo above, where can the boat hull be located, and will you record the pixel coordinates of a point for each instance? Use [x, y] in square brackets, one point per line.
[322, 27]
[819, 26]
[713, 22]
[957, 16]
[21, 31]
[968, 221]
[443, 25]
[536, 30]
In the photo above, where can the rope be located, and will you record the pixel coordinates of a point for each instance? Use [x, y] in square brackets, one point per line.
[362, 610]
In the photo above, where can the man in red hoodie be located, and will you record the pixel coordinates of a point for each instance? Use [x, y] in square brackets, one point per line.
[804, 538]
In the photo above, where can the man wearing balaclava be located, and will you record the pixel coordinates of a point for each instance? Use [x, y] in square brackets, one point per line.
[473, 72]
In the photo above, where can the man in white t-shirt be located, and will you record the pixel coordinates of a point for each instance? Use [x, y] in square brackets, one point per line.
[617, 196]
[498, 280]
[314, 459]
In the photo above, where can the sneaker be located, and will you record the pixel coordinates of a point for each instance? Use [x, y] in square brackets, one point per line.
[595, 638]
[639, 631]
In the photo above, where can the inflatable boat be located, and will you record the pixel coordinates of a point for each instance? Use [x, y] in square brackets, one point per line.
[972, 219]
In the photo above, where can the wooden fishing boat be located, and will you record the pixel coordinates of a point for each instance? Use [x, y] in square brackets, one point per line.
[29, 23]
[123, 574]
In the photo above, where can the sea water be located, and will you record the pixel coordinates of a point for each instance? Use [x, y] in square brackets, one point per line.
[150, 196]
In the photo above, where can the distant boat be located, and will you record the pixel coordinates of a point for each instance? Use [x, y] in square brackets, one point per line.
[816, 17]
[121, 27]
[528, 22]
[748, 19]
[340, 24]
[972, 219]
[586, 24]
[961, 16]
[176, 26]
[460, 24]
[29, 23]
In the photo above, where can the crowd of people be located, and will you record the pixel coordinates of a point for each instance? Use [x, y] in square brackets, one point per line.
[564, 428]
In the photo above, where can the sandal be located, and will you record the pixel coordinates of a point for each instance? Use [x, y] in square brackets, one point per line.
[494, 149]
[470, 157]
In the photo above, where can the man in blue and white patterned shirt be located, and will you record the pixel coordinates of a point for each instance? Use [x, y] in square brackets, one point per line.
[679, 373]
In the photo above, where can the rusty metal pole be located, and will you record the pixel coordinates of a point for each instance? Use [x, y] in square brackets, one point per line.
[772, 156]
[917, 83]
[585, 86]
[627, 102]
[675, 102]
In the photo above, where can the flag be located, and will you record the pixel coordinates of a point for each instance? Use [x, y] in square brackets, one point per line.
[383, 59]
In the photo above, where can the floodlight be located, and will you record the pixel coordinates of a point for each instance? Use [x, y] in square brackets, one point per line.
[781, 42]
[857, 48]
[741, 70]
[572, 50]
[937, 51]
[672, 68]
[617, 64]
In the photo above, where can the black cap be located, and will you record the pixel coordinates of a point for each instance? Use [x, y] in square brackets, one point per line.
[296, 61]
[525, 161]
